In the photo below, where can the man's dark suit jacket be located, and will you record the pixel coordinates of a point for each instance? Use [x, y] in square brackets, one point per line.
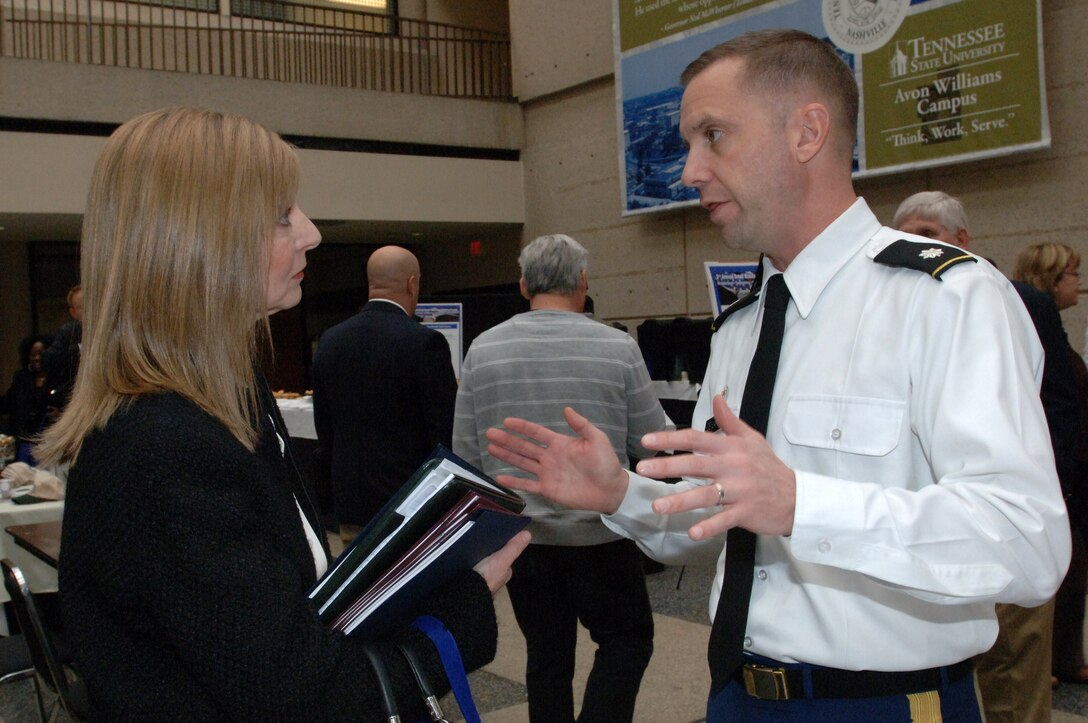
[384, 393]
[61, 362]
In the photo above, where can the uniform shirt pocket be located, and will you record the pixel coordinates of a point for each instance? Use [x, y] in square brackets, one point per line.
[854, 425]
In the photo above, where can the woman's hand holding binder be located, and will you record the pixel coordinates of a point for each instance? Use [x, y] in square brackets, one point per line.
[495, 568]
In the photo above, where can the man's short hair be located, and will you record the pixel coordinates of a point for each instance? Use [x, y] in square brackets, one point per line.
[781, 61]
[933, 206]
[72, 293]
[552, 264]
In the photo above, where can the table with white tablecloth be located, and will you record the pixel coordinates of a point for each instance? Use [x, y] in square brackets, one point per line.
[298, 415]
[680, 390]
[678, 400]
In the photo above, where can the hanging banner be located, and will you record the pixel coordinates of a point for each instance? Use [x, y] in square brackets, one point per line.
[447, 320]
[941, 81]
[728, 281]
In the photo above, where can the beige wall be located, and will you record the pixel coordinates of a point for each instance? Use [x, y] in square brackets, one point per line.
[49, 174]
[55, 170]
[46, 175]
[652, 265]
[64, 91]
[558, 45]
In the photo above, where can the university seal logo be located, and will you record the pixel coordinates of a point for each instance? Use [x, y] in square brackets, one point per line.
[862, 26]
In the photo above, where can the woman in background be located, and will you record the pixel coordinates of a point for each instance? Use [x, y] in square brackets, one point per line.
[190, 540]
[28, 396]
[1055, 270]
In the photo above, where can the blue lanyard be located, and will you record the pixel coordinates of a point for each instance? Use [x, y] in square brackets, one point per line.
[451, 661]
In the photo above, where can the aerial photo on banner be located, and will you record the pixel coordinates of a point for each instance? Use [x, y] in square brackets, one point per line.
[941, 81]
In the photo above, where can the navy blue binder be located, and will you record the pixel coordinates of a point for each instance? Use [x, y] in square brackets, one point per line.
[442, 521]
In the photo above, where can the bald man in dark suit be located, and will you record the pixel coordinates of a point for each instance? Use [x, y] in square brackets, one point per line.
[384, 392]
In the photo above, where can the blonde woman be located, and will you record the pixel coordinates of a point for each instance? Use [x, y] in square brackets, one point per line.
[190, 540]
[1054, 270]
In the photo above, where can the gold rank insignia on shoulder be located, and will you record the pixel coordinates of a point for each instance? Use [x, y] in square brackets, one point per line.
[927, 256]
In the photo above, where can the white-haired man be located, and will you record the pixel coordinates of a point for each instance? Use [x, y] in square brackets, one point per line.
[935, 215]
[576, 569]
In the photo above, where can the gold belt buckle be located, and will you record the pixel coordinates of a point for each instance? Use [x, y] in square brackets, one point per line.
[765, 683]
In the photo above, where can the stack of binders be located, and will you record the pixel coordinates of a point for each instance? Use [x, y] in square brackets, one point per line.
[444, 520]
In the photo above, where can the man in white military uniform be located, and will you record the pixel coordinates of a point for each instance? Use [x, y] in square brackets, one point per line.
[905, 483]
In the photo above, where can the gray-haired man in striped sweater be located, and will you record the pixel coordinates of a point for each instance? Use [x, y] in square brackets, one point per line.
[576, 570]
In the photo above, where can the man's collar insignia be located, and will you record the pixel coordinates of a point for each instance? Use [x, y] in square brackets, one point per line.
[930, 253]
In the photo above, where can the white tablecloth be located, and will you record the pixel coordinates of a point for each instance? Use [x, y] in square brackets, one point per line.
[40, 576]
[675, 390]
[298, 415]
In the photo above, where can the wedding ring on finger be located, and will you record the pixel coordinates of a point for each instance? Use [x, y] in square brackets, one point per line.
[721, 494]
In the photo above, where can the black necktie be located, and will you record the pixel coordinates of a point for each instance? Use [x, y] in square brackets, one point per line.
[731, 619]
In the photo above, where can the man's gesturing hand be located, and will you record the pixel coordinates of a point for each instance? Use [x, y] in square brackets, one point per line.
[581, 472]
[757, 490]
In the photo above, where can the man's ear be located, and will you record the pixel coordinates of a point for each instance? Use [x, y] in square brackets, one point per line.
[524, 289]
[963, 239]
[813, 124]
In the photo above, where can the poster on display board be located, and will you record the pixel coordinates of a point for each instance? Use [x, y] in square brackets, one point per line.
[445, 319]
[728, 281]
[941, 81]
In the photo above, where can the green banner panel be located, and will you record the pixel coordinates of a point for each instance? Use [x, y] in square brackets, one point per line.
[957, 80]
[941, 81]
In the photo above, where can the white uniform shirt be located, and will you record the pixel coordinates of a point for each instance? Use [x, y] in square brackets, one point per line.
[926, 491]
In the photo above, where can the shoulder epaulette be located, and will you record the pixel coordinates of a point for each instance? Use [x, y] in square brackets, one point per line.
[930, 257]
[746, 300]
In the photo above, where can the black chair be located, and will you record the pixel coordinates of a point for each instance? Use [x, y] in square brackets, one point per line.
[15, 663]
[71, 695]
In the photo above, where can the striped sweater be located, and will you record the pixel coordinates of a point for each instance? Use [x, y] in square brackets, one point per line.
[534, 365]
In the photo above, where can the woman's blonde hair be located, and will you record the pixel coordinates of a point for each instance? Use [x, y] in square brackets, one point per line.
[1041, 265]
[174, 265]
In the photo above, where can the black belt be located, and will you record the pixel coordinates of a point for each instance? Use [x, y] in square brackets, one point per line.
[771, 683]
